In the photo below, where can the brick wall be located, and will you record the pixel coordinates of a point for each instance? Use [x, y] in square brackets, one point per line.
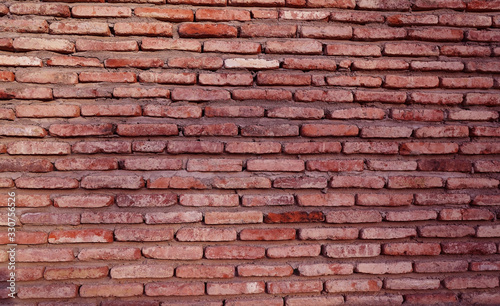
[245, 152]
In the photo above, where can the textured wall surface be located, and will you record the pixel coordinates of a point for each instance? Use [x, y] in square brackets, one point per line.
[246, 152]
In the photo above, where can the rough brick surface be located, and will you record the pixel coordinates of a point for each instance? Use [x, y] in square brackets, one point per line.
[245, 152]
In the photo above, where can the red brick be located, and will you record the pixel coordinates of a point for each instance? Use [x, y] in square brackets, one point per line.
[157, 44]
[442, 199]
[312, 147]
[113, 77]
[142, 271]
[268, 30]
[465, 51]
[256, 2]
[400, 20]
[209, 62]
[176, 182]
[118, 182]
[319, 301]
[357, 17]
[45, 77]
[437, 66]
[46, 183]
[385, 268]
[253, 147]
[469, 248]
[224, 129]
[488, 231]
[485, 266]
[250, 302]
[411, 49]
[234, 252]
[446, 231]
[441, 266]
[417, 115]
[133, 62]
[412, 249]
[304, 286]
[353, 50]
[100, 45]
[465, 214]
[325, 269]
[486, 200]
[294, 47]
[437, 4]
[50, 219]
[384, 200]
[353, 285]
[294, 217]
[357, 81]
[411, 284]
[196, 95]
[270, 131]
[233, 217]
[93, 147]
[225, 79]
[442, 131]
[111, 217]
[328, 233]
[300, 182]
[470, 82]
[325, 200]
[239, 47]
[204, 271]
[473, 115]
[86, 164]
[100, 11]
[111, 110]
[322, 95]
[377, 33]
[264, 14]
[81, 236]
[24, 26]
[165, 14]
[335, 165]
[352, 251]
[487, 166]
[23, 274]
[466, 183]
[303, 15]
[391, 165]
[386, 132]
[199, 30]
[44, 111]
[471, 282]
[260, 270]
[44, 255]
[371, 148]
[235, 288]
[222, 15]
[175, 289]
[68, 92]
[151, 164]
[326, 32]
[74, 130]
[398, 5]
[172, 111]
[73, 61]
[173, 217]
[434, 298]
[25, 165]
[436, 34]
[57, 10]
[251, 64]
[271, 200]
[48, 291]
[109, 254]
[167, 78]
[352, 216]
[54, 273]
[294, 251]
[383, 64]
[84, 201]
[24, 237]
[485, 131]
[56, 45]
[6, 44]
[480, 148]
[140, 234]
[20, 61]
[483, 36]
[178, 147]
[284, 79]
[387, 233]
[401, 182]
[173, 252]
[205, 234]
[7, 76]
[424, 148]
[321, 130]
[295, 113]
[388, 97]
[267, 234]
[38, 148]
[393, 81]
[111, 290]
[275, 165]
[131, 130]
[80, 28]
[413, 215]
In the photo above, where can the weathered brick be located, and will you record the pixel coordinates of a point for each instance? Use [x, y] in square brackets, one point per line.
[175, 289]
[139, 234]
[156, 44]
[151, 164]
[204, 271]
[75, 130]
[411, 284]
[74, 61]
[165, 14]
[267, 234]
[424, 148]
[80, 236]
[234, 252]
[142, 271]
[303, 182]
[413, 215]
[235, 288]
[352, 251]
[441, 266]
[111, 290]
[46, 183]
[411, 249]
[45, 9]
[271, 200]
[55, 273]
[470, 248]
[436, 34]
[224, 129]
[174, 252]
[353, 50]
[94, 147]
[131, 130]
[109, 254]
[294, 287]
[173, 217]
[431, 297]
[48, 291]
[80, 28]
[84, 201]
[101, 45]
[384, 199]
[411, 49]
